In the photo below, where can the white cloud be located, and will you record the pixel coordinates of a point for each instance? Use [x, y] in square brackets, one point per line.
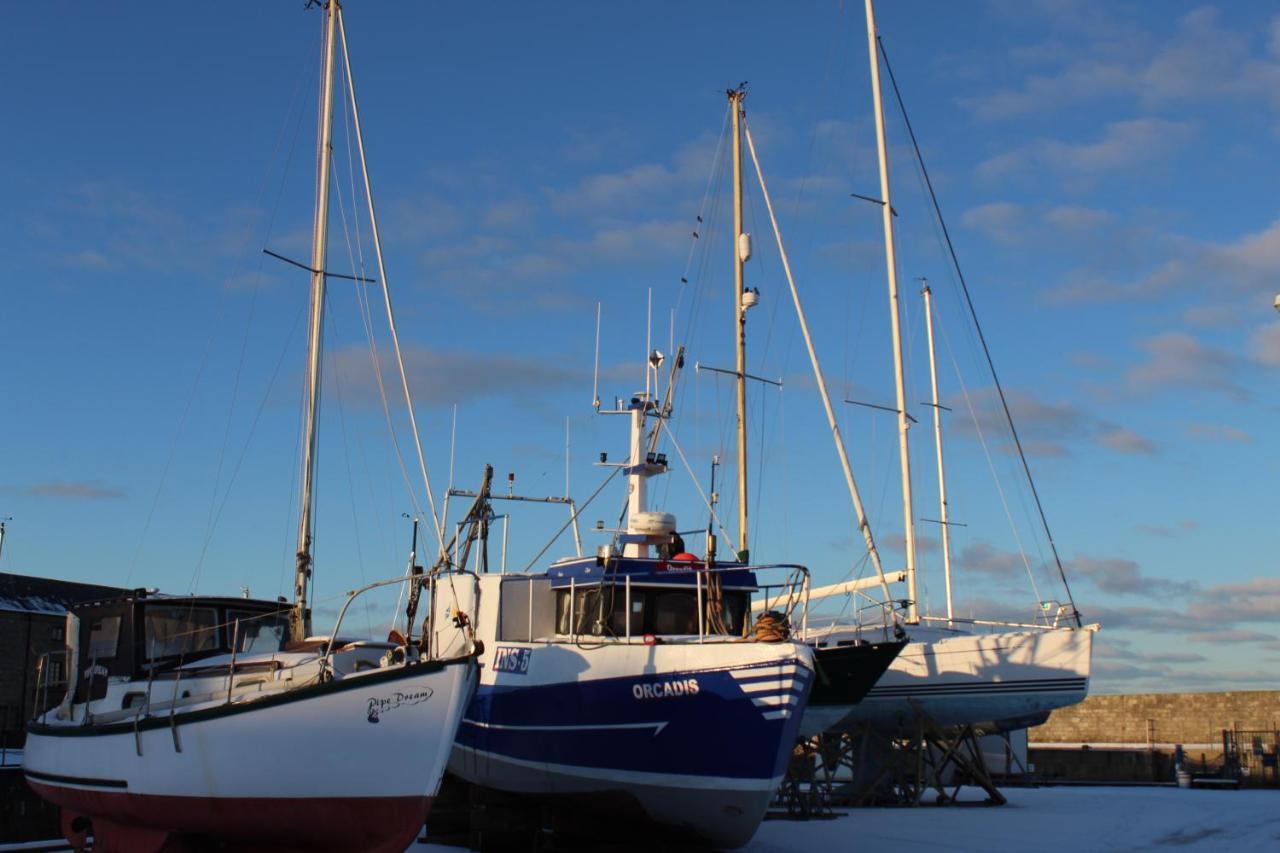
[1178, 360]
[1237, 276]
[1045, 427]
[1075, 218]
[1124, 145]
[443, 377]
[1219, 433]
[1001, 221]
[92, 491]
[1203, 60]
[1126, 441]
[1119, 575]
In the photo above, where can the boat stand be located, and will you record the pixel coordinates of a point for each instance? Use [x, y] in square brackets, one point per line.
[866, 766]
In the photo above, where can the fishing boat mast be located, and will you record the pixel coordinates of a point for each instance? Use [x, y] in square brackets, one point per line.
[300, 617]
[891, 262]
[937, 435]
[741, 302]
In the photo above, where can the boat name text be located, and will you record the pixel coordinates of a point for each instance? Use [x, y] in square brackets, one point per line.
[379, 705]
[666, 689]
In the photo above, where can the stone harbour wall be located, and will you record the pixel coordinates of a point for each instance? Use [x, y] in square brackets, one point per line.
[1161, 718]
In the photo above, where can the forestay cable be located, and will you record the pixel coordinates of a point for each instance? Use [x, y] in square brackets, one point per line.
[436, 522]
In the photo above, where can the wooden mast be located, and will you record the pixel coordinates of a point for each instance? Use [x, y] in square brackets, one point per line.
[300, 619]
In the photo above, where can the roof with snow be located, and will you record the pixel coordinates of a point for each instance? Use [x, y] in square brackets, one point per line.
[27, 594]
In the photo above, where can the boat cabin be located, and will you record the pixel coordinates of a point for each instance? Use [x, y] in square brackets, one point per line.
[144, 635]
[633, 597]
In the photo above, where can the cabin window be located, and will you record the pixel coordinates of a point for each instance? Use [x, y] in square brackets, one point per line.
[599, 611]
[104, 638]
[180, 630]
[258, 633]
[675, 613]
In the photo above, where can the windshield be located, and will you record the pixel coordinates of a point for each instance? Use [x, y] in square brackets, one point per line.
[258, 633]
[180, 630]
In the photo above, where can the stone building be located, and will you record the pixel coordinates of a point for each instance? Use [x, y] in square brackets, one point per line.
[32, 622]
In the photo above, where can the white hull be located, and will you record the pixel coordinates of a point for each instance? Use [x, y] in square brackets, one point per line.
[318, 764]
[999, 680]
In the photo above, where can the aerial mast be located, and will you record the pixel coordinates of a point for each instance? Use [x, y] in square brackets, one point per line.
[891, 261]
[300, 619]
[741, 253]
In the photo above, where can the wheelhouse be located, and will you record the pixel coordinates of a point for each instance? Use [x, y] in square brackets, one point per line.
[144, 635]
[631, 597]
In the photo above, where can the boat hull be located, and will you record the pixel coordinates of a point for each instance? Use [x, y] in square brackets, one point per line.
[998, 681]
[844, 676]
[692, 737]
[220, 773]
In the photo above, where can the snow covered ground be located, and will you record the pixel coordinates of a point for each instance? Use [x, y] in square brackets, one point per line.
[1038, 819]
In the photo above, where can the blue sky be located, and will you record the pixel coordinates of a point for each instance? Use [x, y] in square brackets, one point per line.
[1108, 172]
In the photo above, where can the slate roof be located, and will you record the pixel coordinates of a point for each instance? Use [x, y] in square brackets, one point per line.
[27, 594]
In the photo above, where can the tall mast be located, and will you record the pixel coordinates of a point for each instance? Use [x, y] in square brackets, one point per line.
[741, 252]
[937, 436]
[891, 261]
[300, 620]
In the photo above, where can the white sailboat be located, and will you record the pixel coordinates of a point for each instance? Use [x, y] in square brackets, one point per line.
[993, 674]
[986, 672]
[200, 720]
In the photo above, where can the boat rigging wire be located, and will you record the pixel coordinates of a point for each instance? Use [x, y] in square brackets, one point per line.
[982, 440]
[832, 422]
[572, 518]
[697, 485]
[1004, 403]
[436, 522]
[244, 450]
[204, 360]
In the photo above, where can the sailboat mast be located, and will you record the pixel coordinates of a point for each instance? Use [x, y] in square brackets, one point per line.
[937, 436]
[740, 321]
[300, 620]
[891, 261]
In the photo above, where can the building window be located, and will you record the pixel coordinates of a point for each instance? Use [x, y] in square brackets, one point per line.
[58, 633]
[104, 637]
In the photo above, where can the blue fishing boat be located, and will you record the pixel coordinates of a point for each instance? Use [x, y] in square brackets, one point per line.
[635, 685]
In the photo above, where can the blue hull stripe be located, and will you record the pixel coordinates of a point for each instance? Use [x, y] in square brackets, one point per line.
[698, 723]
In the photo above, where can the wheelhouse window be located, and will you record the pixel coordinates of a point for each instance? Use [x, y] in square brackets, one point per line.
[601, 611]
[257, 633]
[598, 611]
[180, 630]
[675, 612]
